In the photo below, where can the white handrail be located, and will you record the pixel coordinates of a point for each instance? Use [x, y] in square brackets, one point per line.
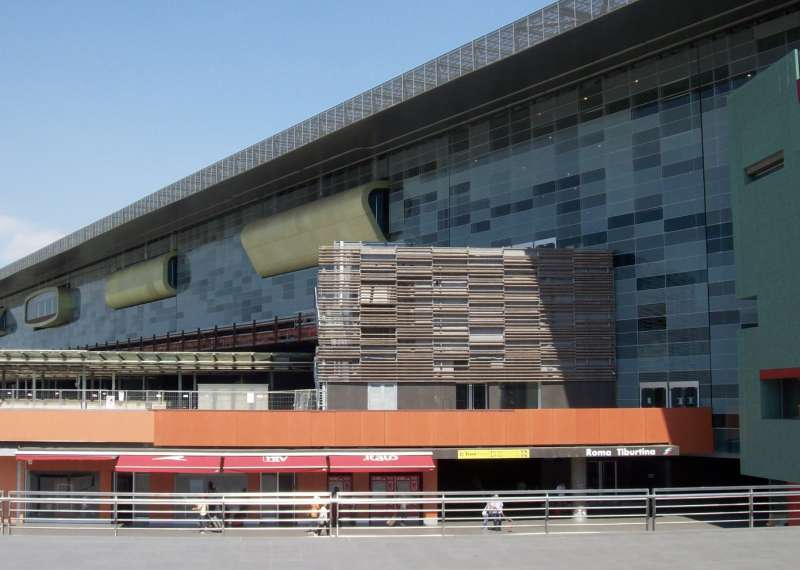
[417, 513]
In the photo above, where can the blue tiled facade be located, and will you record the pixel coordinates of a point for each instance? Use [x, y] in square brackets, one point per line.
[634, 161]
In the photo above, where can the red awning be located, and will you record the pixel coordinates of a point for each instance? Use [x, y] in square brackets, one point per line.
[63, 457]
[169, 464]
[272, 462]
[377, 462]
[779, 373]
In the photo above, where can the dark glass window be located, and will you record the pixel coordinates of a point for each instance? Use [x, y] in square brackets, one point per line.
[781, 399]
[567, 207]
[790, 398]
[723, 317]
[644, 283]
[617, 106]
[647, 162]
[649, 216]
[594, 239]
[683, 397]
[462, 396]
[593, 201]
[655, 397]
[684, 222]
[569, 182]
[652, 324]
[523, 205]
[621, 221]
[499, 211]
[652, 310]
[645, 97]
[479, 227]
[683, 167]
[3, 320]
[544, 188]
[624, 259]
[471, 396]
[519, 395]
[687, 278]
[771, 42]
[593, 176]
[172, 272]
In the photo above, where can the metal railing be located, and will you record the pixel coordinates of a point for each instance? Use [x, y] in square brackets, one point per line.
[356, 514]
[211, 512]
[288, 329]
[160, 399]
[753, 506]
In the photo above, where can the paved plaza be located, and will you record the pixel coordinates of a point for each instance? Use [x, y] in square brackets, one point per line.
[723, 549]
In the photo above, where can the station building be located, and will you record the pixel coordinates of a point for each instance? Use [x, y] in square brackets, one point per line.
[592, 127]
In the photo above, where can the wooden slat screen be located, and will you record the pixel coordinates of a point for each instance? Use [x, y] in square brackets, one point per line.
[446, 314]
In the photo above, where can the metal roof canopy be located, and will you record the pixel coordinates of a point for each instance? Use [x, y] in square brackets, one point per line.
[23, 363]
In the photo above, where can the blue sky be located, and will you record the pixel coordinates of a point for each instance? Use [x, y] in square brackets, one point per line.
[103, 102]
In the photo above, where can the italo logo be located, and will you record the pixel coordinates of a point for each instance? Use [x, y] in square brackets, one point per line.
[381, 457]
[274, 458]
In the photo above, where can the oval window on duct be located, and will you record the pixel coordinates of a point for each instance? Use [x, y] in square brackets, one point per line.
[143, 282]
[41, 307]
[49, 307]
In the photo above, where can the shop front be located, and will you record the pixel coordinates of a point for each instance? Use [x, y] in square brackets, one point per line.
[387, 476]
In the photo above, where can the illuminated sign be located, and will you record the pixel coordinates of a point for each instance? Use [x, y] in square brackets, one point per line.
[523, 453]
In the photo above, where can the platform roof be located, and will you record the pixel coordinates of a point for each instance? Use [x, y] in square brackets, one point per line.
[24, 363]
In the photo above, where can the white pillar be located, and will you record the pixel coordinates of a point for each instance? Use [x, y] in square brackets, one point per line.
[113, 381]
[577, 467]
[33, 386]
[83, 389]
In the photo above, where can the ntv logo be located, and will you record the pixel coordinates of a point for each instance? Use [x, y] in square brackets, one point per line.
[274, 458]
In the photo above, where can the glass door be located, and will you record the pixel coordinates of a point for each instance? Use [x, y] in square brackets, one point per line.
[601, 474]
[278, 483]
[394, 514]
[64, 483]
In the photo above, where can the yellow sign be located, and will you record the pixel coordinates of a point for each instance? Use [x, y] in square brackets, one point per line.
[494, 453]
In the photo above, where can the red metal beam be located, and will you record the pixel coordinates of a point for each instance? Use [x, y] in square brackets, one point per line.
[255, 334]
[779, 373]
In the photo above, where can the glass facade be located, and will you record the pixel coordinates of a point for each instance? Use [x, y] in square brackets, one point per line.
[634, 161]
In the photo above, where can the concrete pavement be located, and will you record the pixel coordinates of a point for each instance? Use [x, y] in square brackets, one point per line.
[776, 549]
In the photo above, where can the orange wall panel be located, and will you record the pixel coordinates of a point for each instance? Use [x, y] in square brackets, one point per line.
[8, 474]
[254, 482]
[689, 428]
[76, 426]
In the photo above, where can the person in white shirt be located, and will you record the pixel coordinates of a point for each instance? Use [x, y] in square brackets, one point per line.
[494, 511]
[323, 521]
